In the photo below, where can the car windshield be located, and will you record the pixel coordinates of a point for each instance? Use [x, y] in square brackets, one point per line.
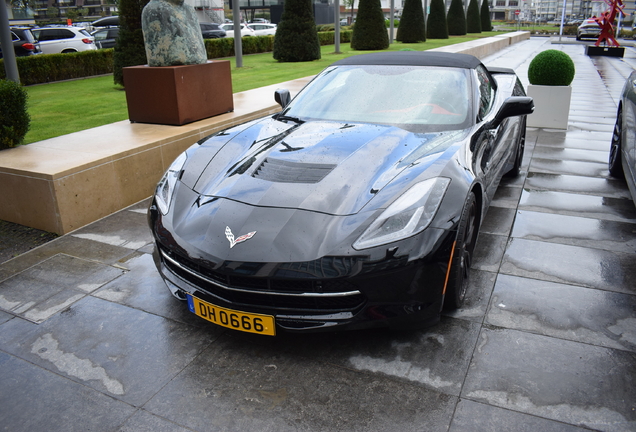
[416, 98]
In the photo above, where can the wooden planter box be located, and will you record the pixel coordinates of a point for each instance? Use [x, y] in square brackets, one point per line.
[551, 106]
[176, 95]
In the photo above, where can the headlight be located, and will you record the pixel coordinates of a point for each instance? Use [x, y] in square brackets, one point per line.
[165, 188]
[410, 214]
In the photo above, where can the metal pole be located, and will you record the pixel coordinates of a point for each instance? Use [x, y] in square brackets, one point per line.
[562, 19]
[336, 16]
[391, 25]
[10, 65]
[238, 45]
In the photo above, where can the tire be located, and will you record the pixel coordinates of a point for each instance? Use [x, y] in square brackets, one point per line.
[464, 248]
[615, 159]
[521, 147]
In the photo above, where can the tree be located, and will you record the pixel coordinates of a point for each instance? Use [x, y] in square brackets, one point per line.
[486, 25]
[473, 20]
[412, 28]
[129, 49]
[349, 4]
[296, 38]
[436, 26]
[370, 33]
[456, 19]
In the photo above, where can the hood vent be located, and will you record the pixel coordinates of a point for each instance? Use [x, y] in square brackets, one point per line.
[281, 171]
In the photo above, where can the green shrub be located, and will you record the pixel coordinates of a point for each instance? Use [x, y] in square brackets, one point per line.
[456, 19]
[370, 33]
[296, 37]
[436, 26]
[484, 15]
[57, 67]
[14, 118]
[129, 49]
[551, 68]
[412, 28]
[473, 20]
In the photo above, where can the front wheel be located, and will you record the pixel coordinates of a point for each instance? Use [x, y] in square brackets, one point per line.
[615, 159]
[463, 250]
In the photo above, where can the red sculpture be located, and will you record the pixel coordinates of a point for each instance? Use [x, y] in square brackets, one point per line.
[606, 22]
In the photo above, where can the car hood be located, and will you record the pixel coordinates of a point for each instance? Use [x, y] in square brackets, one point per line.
[328, 167]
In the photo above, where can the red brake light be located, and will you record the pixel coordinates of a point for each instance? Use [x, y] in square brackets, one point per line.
[28, 46]
[87, 41]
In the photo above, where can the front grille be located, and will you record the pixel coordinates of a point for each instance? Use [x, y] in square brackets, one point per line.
[324, 296]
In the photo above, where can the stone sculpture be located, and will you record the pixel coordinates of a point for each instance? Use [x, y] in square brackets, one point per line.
[171, 34]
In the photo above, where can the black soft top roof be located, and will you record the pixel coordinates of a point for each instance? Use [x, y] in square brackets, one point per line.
[413, 58]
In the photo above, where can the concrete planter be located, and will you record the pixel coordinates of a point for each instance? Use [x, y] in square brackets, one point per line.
[177, 95]
[551, 106]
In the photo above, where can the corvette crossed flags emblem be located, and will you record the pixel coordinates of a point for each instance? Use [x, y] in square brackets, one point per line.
[233, 242]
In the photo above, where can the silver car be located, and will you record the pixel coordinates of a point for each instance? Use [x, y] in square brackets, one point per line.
[54, 40]
[622, 159]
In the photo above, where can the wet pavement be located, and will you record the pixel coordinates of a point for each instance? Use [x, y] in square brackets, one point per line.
[90, 338]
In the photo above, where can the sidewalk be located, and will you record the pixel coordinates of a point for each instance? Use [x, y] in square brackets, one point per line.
[546, 340]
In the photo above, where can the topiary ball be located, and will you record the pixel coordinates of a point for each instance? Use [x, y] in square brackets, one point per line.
[551, 68]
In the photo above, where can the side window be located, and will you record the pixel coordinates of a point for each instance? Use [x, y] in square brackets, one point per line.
[518, 90]
[486, 91]
[66, 34]
[14, 37]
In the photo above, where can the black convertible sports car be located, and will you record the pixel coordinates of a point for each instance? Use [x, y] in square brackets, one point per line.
[356, 206]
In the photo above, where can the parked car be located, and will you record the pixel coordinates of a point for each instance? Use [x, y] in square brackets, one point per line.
[212, 31]
[106, 37]
[55, 40]
[588, 30]
[24, 43]
[263, 29]
[622, 158]
[109, 21]
[358, 205]
[245, 30]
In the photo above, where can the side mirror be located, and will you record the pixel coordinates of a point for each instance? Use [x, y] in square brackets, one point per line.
[282, 97]
[513, 106]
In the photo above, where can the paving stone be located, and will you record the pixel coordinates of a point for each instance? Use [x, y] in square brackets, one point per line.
[606, 187]
[478, 417]
[571, 382]
[254, 387]
[34, 399]
[51, 286]
[576, 231]
[586, 267]
[585, 315]
[119, 351]
[616, 209]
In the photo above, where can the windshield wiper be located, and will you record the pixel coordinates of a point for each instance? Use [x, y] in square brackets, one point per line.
[281, 117]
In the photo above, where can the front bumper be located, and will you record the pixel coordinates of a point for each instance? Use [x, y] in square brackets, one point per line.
[393, 292]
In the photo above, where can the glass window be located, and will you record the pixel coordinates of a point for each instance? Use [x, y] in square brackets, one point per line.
[416, 98]
[486, 91]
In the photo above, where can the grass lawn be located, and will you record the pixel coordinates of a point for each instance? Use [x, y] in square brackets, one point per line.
[64, 107]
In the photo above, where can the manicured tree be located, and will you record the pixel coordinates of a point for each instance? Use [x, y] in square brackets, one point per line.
[369, 33]
[473, 20]
[296, 38]
[412, 28]
[436, 25]
[456, 19]
[14, 118]
[486, 25]
[130, 49]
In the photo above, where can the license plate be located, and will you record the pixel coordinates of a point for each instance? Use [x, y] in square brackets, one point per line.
[242, 321]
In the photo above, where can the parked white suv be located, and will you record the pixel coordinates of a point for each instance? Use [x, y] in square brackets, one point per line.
[55, 40]
[229, 30]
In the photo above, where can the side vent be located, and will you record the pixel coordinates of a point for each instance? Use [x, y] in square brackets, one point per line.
[281, 171]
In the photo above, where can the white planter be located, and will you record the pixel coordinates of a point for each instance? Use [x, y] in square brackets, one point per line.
[551, 106]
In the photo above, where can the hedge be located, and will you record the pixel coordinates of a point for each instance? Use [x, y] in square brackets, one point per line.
[45, 68]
